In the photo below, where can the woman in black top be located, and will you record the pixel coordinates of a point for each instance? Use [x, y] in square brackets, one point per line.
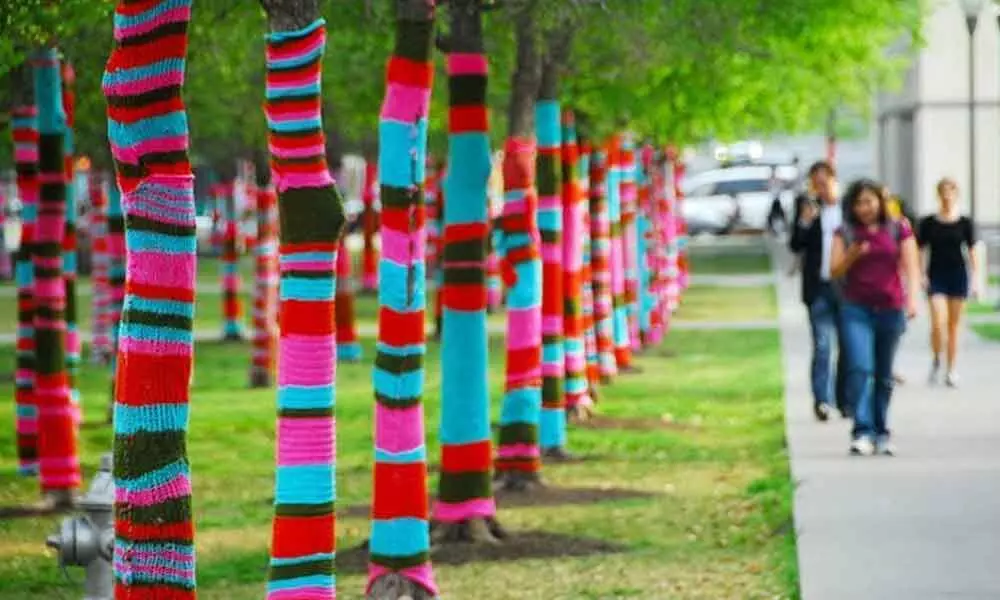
[948, 242]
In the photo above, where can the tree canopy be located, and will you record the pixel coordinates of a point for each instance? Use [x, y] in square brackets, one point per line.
[681, 70]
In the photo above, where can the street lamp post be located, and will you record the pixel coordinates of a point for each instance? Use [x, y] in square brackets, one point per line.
[972, 9]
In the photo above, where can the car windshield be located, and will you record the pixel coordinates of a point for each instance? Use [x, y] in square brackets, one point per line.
[742, 186]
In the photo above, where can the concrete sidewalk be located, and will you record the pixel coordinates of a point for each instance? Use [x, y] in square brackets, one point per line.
[922, 525]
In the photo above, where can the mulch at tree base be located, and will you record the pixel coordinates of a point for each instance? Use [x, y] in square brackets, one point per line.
[540, 496]
[603, 422]
[519, 545]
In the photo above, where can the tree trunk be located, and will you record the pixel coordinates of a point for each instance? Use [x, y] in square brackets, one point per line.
[69, 243]
[527, 74]
[25, 133]
[149, 142]
[348, 345]
[622, 344]
[630, 239]
[311, 216]
[100, 346]
[550, 209]
[232, 302]
[400, 545]
[369, 225]
[600, 262]
[587, 271]
[434, 201]
[116, 278]
[577, 393]
[58, 460]
[265, 302]
[644, 231]
[465, 508]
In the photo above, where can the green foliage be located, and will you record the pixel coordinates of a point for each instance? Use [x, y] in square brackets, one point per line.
[681, 70]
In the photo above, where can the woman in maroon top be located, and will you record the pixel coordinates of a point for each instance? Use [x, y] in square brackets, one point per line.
[869, 254]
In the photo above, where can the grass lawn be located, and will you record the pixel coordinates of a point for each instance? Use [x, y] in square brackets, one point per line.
[716, 522]
[700, 303]
[990, 331]
[746, 263]
[715, 303]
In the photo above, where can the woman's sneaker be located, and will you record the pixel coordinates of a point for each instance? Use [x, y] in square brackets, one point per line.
[885, 447]
[951, 379]
[935, 372]
[862, 446]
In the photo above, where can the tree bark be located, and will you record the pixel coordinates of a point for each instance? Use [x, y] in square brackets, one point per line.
[527, 74]
[399, 499]
[311, 216]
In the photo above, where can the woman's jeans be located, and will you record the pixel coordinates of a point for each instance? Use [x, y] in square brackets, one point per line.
[870, 337]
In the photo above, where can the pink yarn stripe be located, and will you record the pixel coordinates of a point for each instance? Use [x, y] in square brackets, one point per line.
[306, 360]
[396, 246]
[306, 441]
[157, 268]
[154, 82]
[403, 103]
[278, 53]
[456, 512]
[395, 429]
[518, 451]
[304, 180]
[302, 593]
[127, 569]
[467, 64]
[174, 15]
[299, 151]
[525, 329]
[312, 265]
[134, 346]
[178, 487]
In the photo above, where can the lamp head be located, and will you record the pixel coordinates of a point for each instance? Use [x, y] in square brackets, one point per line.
[972, 8]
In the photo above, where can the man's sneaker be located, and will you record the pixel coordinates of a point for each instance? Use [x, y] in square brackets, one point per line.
[951, 379]
[935, 372]
[885, 447]
[862, 446]
[822, 411]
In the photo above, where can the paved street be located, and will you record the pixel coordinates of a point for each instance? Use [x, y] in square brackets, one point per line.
[922, 525]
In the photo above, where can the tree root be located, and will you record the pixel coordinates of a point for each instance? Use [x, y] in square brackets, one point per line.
[559, 454]
[393, 586]
[260, 379]
[581, 413]
[517, 481]
[233, 337]
[478, 530]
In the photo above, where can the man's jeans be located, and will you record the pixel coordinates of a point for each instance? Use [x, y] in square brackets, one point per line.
[871, 337]
[824, 320]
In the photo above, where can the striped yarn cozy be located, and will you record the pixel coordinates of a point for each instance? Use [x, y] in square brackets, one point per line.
[587, 272]
[400, 536]
[577, 388]
[465, 490]
[265, 299]
[69, 243]
[25, 133]
[100, 345]
[617, 264]
[154, 555]
[348, 344]
[369, 224]
[232, 304]
[630, 236]
[520, 253]
[59, 464]
[600, 265]
[311, 217]
[548, 163]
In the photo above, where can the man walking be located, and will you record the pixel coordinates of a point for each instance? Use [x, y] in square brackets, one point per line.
[816, 219]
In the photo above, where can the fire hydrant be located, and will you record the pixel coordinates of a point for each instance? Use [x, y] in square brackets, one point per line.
[88, 540]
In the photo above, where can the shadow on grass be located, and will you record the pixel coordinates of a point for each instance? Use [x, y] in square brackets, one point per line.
[542, 496]
[520, 545]
[604, 422]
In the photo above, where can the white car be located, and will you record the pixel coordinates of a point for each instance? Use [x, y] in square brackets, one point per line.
[719, 200]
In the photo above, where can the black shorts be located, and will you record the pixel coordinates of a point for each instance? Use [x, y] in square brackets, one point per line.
[954, 284]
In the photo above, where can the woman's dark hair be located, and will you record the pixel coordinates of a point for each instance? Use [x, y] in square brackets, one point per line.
[853, 195]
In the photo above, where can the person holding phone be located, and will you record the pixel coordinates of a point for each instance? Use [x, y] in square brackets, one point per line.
[817, 217]
[948, 241]
[871, 252]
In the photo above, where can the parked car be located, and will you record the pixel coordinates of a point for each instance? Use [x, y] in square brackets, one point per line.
[721, 200]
